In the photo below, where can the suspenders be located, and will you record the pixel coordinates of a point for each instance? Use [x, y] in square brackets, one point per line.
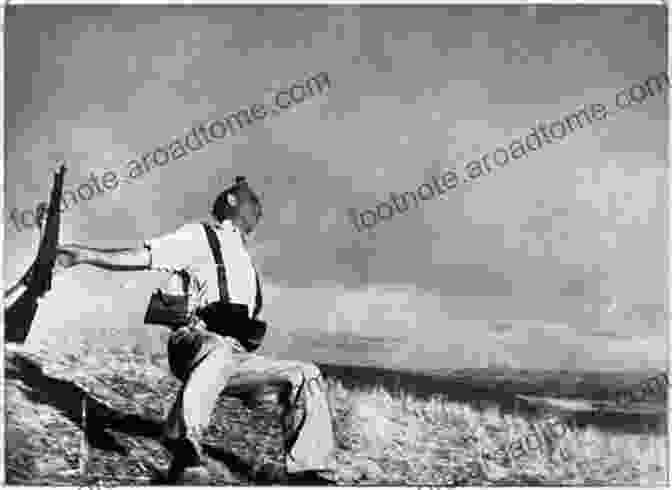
[221, 272]
[217, 254]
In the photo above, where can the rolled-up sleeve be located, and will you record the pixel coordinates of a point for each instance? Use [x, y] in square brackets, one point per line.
[171, 252]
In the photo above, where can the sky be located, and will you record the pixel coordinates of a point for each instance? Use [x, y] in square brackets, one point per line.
[567, 247]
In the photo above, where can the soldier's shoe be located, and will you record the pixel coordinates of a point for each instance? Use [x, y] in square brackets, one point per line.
[184, 452]
[312, 478]
[270, 473]
[187, 464]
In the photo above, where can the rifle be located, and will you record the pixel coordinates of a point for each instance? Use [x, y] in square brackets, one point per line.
[37, 279]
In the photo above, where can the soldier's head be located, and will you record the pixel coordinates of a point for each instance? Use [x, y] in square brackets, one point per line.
[239, 204]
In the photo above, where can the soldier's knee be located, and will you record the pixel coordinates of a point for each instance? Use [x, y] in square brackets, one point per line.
[314, 382]
[302, 376]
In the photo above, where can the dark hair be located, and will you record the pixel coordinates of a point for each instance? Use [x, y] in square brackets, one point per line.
[221, 209]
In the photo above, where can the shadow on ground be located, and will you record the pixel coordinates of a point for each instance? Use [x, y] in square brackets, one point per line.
[132, 432]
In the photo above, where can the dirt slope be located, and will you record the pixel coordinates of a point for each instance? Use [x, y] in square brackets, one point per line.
[126, 397]
[383, 437]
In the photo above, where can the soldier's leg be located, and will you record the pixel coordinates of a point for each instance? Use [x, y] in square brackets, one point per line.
[307, 418]
[210, 364]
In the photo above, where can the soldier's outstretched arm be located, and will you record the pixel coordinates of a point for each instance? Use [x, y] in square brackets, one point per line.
[116, 259]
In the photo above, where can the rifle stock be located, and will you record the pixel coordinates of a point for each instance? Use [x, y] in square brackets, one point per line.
[37, 279]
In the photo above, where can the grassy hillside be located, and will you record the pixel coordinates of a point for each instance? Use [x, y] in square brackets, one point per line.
[384, 435]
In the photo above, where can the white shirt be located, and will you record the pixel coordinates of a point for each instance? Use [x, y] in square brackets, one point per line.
[188, 249]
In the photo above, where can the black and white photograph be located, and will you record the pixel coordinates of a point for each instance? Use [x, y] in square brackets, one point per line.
[336, 244]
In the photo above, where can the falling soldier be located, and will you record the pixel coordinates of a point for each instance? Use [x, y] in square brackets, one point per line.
[215, 336]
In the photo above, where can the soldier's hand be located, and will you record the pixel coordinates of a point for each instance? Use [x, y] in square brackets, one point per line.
[69, 256]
